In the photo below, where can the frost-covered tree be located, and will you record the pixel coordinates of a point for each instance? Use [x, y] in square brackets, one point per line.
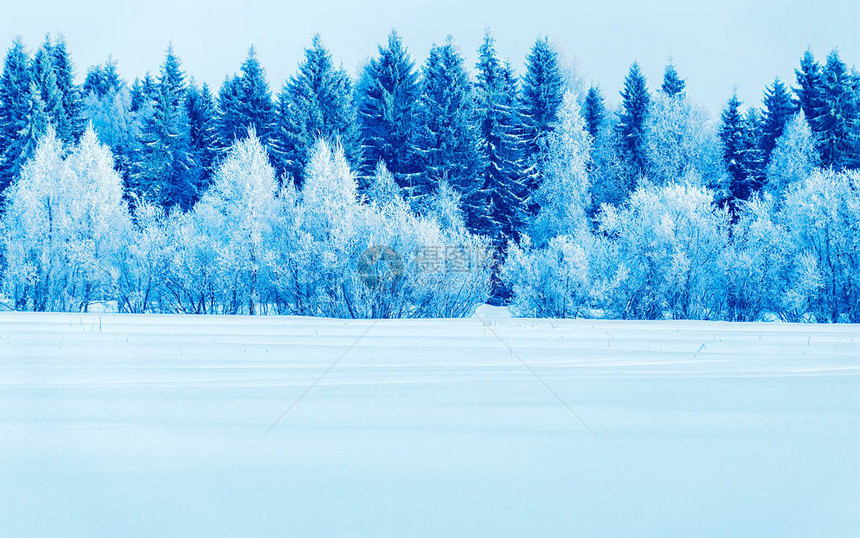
[333, 256]
[234, 218]
[315, 103]
[681, 143]
[64, 227]
[756, 264]
[448, 140]
[116, 124]
[385, 100]
[666, 246]
[673, 85]
[822, 218]
[794, 157]
[563, 197]
[554, 281]
[501, 145]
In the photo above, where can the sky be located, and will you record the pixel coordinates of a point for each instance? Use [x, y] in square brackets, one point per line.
[716, 46]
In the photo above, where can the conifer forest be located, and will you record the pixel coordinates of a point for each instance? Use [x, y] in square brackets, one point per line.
[424, 187]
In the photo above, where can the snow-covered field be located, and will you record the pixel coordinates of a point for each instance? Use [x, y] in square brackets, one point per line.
[153, 426]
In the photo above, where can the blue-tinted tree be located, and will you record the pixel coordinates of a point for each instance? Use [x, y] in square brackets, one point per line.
[594, 111]
[385, 100]
[315, 103]
[501, 146]
[103, 78]
[808, 88]
[837, 118]
[542, 94]
[164, 171]
[673, 84]
[778, 109]
[447, 141]
[203, 137]
[244, 102]
[630, 130]
[15, 112]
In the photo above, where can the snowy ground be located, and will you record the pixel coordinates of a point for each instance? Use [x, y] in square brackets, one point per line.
[153, 426]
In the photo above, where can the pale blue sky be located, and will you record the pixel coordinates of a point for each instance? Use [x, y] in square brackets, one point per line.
[716, 45]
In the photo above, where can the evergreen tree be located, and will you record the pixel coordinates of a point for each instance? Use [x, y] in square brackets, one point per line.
[635, 101]
[315, 103]
[165, 171]
[447, 141]
[673, 84]
[735, 137]
[542, 94]
[71, 93]
[837, 119]
[143, 92]
[245, 101]
[497, 99]
[594, 111]
[203, 138]
[386, 97]
[101, 79]
[808, 89]
[778, 109]
[45, 76]
[15, 112]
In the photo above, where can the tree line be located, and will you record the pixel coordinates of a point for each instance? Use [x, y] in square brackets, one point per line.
[534, 167]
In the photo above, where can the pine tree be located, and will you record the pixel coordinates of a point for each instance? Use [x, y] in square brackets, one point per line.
[778, 109]
[673, 84]
[143, 92]
[808, 90]
[165, 171]
[203, 138]
[735, 138]
[315, 103]
[45, 76]
[594, 110]
[542, 94]
[386, 96]
[15, 111]
[102, 79]
[497, 99]
[71, 93]
[837, 118]
[245, 102]
[447, 141]
[635, 101]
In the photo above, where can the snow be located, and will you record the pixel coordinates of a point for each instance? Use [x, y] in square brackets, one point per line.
[135, 425]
